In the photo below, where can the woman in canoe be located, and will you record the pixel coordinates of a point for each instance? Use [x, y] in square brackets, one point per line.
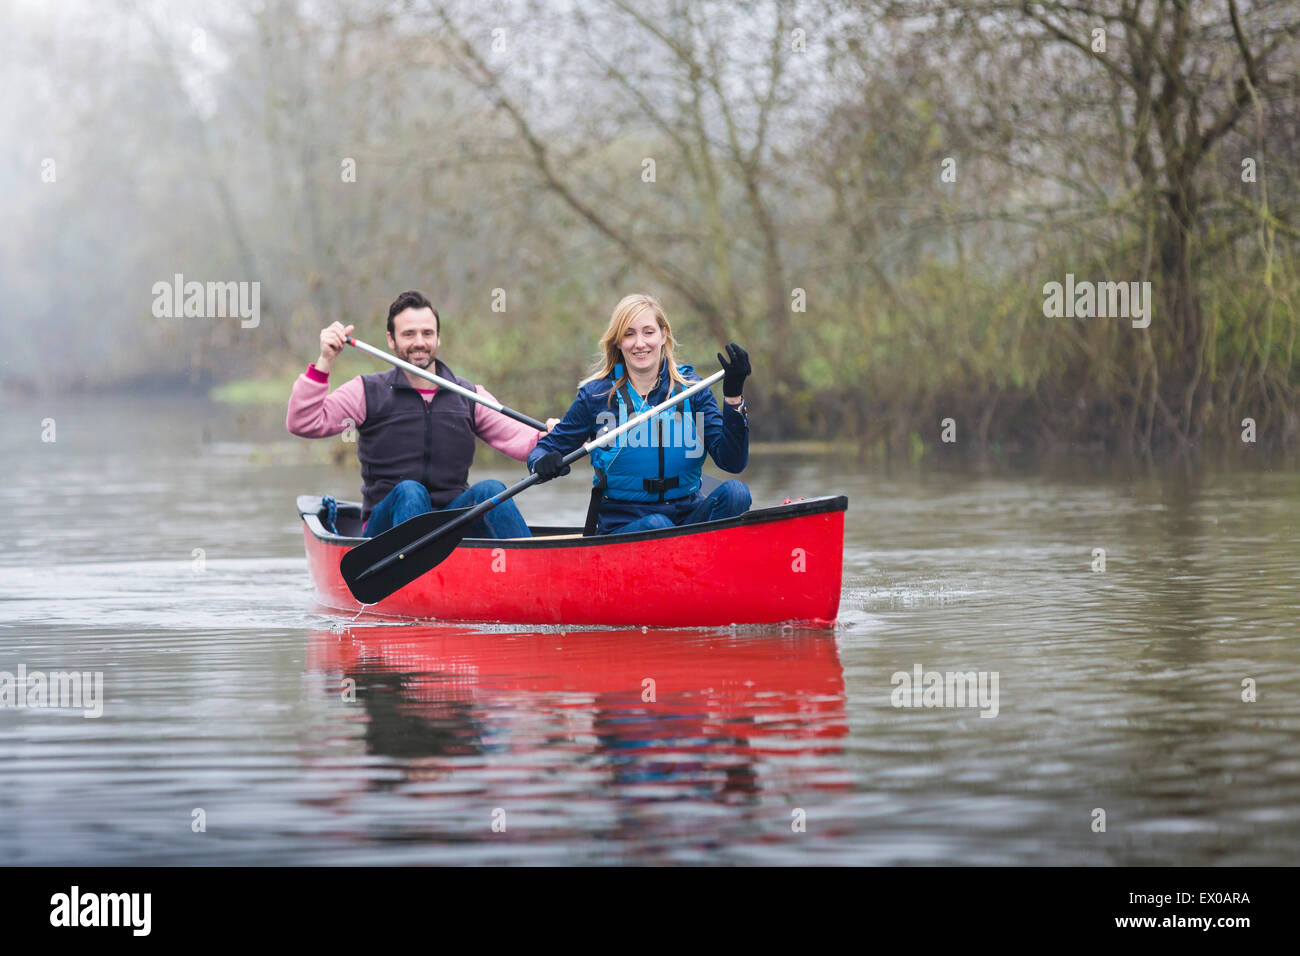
[650, 479]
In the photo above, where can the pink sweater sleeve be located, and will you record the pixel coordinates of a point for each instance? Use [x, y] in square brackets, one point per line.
[316, 413]
[504, 434]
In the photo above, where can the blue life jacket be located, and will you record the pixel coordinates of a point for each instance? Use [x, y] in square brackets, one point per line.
[650, 462]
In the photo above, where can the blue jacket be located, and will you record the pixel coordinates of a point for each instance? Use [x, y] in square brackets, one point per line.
[636, 455]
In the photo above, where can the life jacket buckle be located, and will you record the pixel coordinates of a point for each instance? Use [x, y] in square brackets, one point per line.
[659, 485]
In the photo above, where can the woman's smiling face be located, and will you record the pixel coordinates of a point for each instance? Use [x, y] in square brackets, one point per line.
[642, 344]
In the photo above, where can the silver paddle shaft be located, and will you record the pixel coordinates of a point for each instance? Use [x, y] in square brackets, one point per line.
[424, 373]
[444, 383]
[645, 416]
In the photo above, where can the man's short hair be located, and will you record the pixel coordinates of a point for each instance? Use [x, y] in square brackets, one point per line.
[413, 300]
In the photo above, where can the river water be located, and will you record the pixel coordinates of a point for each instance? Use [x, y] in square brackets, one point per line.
[156, 541]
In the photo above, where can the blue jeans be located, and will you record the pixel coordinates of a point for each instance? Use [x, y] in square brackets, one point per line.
[729, 500]
[410, 498]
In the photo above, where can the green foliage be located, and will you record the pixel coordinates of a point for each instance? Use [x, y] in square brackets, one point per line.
[774, 172]
[250, 391]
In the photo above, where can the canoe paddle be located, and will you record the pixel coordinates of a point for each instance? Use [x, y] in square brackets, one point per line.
[443, 383]
[397, 557]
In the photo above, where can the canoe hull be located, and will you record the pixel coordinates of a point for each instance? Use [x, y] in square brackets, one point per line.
[772, 566]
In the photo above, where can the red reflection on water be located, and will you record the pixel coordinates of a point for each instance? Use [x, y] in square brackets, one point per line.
[720, 704]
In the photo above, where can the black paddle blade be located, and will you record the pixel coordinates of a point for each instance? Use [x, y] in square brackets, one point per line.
[375, 587]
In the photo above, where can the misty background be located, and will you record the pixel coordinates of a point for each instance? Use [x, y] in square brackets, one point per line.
[869, 197]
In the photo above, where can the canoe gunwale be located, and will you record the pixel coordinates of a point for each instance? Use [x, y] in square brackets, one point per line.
[309, 506]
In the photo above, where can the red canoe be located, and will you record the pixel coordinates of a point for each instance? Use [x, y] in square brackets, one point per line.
[770, 566]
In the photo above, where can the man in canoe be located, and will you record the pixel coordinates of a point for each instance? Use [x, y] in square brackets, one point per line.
[651, 478]
[414, 440]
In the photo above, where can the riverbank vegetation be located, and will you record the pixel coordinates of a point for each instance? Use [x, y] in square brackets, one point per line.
[871, 198]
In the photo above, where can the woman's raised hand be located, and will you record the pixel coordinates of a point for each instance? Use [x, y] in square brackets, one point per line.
[736, 370]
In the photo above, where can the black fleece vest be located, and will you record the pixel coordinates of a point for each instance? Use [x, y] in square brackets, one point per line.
[404, 437]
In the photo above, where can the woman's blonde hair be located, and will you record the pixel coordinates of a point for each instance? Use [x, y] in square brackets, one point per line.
[627, 310]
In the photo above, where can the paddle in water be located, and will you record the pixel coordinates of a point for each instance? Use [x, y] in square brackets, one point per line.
[444, 383]
[397, 557]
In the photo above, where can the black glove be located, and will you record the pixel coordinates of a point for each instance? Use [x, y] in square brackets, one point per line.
[737, 370]
[551, 465]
